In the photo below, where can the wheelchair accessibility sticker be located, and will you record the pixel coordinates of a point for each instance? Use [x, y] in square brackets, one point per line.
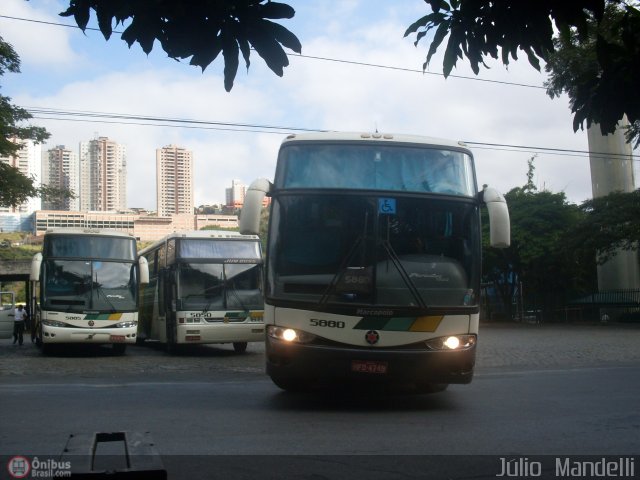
[387, 206]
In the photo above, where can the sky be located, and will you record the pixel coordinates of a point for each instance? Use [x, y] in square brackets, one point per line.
[63, 68]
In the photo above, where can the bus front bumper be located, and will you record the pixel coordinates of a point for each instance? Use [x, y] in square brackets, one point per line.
[87, 335]
[320, 363]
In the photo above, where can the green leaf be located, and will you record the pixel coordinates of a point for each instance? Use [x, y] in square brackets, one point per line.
[207, 53]
[80, 9]
[262, 39]
[276, 10]
[105, 15]
[285, 37]
[418, 24]
[230, 52]
[452, 51]
[439, 36]
[533, 59]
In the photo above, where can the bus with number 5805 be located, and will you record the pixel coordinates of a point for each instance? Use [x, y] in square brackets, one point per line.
[88, 283]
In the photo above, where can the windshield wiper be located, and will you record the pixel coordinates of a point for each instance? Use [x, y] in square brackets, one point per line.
[213, 299]
[100, 290]
[403, 274]
[236, 297]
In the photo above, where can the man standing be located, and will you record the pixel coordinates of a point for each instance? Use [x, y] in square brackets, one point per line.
[18, 324]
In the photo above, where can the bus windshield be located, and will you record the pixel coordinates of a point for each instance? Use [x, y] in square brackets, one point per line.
[367, 250]
[365, 166]
[88, 246]
[207, 286]
[79, 285]
[219, 249]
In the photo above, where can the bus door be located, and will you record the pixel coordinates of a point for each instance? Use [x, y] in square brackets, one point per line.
[168, 304]
[7, 306]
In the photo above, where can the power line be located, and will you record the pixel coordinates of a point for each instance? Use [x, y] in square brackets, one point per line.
[324, 59]
[128, 119]
[145, 120]
[180, 121]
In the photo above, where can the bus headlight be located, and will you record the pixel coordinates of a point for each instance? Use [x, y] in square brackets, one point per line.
[452, 342]
[55, 323]
[129, 324]
[289, 335]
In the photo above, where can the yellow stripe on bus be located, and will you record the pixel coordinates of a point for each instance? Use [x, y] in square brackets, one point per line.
[428, 323]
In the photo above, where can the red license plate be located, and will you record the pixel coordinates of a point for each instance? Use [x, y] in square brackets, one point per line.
[369, 366]
[116, 338]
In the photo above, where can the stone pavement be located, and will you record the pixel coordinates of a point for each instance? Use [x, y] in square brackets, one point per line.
[500, 345]
[557, 345]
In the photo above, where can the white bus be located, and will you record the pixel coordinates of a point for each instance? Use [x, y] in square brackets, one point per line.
[204, 287]
[89, 281]
[7, 309]
[373, 260]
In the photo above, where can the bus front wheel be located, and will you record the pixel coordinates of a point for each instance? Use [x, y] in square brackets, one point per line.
[426, 388]
[240, 347]
[290, 384]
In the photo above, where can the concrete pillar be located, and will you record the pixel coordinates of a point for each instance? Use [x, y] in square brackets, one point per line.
[612, 170]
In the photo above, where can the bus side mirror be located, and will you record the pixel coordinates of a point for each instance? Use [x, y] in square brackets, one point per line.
[250, 213]
[34, 274]
[143, 268]
[499, 224]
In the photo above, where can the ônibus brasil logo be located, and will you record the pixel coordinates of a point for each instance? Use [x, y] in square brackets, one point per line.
[19, 467]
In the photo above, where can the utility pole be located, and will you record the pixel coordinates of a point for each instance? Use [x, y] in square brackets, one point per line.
[612, 170]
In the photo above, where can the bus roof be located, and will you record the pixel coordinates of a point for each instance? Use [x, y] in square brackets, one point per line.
[88, 231]
[375, 137]
[201, 234]
[210, 234]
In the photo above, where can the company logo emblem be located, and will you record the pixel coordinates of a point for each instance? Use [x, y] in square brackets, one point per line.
[372, 337]
[19, 467]
[91, 323]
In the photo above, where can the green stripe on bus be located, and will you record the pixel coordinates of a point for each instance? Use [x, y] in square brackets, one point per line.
[236, 314]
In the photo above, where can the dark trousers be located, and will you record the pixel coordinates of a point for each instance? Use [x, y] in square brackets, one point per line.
[18, 330]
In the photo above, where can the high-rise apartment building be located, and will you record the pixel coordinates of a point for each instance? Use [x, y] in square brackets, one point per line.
[60, 169]
[235, 195]
[174, 180]
[27, 160]
[103, 175]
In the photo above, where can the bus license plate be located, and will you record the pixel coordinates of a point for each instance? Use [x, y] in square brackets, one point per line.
[369, 366]
[116, 338]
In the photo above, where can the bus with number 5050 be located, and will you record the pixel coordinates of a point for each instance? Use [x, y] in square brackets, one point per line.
[373, 260]
[205, 287]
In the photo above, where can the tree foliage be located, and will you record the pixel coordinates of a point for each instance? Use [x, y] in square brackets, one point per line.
[198, 29]
[10, 115]
[540, 255]
[16, 188]
[610, 223]
[602, 55]
[500, 29]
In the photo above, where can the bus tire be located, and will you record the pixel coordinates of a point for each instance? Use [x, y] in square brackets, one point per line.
[240, 347]
[119, 348]
[290, 384]
[426, 388]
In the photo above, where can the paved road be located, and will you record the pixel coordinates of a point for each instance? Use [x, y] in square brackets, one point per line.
[539, 390]
[516, 346]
